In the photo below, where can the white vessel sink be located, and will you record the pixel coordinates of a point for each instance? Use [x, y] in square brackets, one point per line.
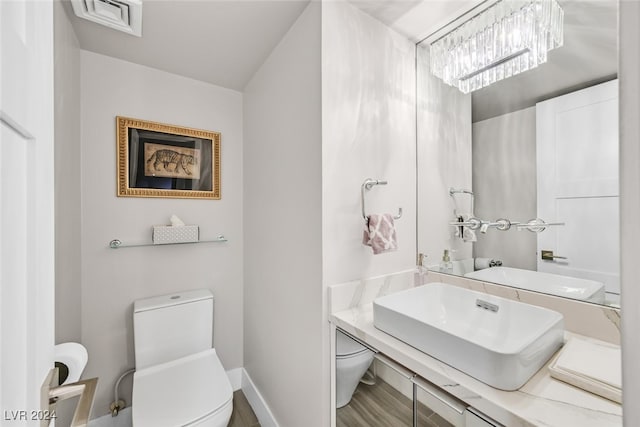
[461, 328]
[555, 284]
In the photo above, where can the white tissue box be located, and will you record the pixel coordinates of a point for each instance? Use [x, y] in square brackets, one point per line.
[167, 234]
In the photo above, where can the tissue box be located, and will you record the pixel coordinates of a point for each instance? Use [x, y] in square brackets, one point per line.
[167, 234]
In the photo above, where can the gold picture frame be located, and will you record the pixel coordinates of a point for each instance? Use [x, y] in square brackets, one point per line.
[161, 160]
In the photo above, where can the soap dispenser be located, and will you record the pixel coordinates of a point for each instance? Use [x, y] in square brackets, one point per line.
[446, 266]
[420, 271]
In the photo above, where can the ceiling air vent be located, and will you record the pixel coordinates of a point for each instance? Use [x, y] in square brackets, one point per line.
[122, 15]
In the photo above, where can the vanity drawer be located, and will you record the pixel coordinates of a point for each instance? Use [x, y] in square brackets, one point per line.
[447, 410]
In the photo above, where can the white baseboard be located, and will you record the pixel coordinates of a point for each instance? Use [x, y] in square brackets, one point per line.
[235, 378]
[257, 402]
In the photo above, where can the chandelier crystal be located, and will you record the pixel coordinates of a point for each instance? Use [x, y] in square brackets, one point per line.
[505, 39]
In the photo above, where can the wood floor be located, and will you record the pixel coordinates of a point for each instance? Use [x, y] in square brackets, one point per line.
[243, 415]
[383, 406]
[371, 406]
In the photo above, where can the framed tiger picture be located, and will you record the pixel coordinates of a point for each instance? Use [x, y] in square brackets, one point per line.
[160, 160]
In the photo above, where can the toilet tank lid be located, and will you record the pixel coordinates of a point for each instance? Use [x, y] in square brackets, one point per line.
[177, 298]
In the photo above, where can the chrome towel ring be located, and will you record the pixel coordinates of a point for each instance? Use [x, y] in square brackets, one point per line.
[367, 185]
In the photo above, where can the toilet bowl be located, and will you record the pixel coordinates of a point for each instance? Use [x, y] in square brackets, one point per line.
[352, 361]
[179, 379]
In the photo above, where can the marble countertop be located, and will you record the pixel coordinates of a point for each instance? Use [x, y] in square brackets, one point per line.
[543, 401]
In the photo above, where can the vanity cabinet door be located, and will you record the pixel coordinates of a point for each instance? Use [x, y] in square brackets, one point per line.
[436, 408]
[386, 401]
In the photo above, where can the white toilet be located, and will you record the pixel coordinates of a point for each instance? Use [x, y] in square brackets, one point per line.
[352, 361]
[179, 380]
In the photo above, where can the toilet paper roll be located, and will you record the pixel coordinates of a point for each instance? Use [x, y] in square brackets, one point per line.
[482, 263]
[74, 357]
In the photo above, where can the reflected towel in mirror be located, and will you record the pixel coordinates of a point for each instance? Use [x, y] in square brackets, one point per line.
[465, 233]
[380, 233]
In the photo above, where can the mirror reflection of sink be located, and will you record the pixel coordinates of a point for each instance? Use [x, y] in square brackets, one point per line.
[555, 284]
[500, 342]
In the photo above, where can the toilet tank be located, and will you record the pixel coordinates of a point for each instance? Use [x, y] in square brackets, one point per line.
[171, 326]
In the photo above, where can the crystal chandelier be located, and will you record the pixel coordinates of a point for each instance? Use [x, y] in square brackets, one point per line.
[505, 39]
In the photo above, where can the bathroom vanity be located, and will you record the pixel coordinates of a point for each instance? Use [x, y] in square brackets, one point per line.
[435, 394]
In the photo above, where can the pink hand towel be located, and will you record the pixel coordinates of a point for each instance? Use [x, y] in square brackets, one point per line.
[380, 233]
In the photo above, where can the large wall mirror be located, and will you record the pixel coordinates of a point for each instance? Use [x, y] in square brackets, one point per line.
[518, 180]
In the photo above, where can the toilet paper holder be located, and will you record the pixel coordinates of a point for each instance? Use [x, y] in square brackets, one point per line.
[52, 393]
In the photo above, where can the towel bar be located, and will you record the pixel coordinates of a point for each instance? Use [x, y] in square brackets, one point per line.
[117, 243]
[536, 225]
[367, 185]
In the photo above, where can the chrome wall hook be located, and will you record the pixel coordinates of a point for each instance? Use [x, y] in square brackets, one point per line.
[367, 185]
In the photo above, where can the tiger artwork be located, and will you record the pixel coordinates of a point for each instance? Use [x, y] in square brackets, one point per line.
[166, 157]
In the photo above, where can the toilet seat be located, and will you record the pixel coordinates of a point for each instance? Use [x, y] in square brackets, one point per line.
[347, 347]
[183, 392]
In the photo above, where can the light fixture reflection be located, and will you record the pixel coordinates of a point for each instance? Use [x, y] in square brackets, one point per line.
[509, 37]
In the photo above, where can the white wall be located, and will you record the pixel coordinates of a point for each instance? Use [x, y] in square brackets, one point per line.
[68, 182]
[629, 78]
[444, 161]
[368, 131]
[68, 187]
[283, 298]
[113, 279]
[504, 183]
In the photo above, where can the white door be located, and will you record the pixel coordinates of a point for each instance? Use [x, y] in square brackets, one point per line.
[26, 208]
[577, 157]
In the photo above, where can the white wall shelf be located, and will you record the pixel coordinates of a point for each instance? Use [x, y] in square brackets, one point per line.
[117, 244]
